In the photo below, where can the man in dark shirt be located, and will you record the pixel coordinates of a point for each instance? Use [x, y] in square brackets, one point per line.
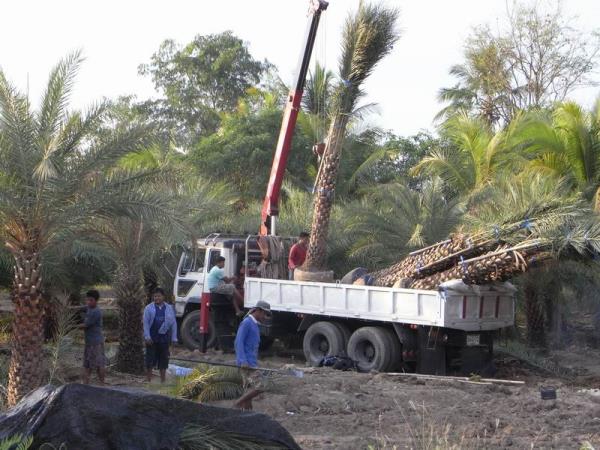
[298, 253]
[93, 353]
[160, 329]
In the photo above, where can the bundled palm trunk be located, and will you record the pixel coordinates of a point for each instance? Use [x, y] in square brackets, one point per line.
[498, 265]
[449, 256]
[433, 259]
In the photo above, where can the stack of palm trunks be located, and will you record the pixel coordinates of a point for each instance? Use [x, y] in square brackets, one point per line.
[476, 259]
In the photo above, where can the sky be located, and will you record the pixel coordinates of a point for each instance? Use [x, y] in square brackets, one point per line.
[118, 35]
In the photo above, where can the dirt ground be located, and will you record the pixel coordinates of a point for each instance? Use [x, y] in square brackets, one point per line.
[329, 409]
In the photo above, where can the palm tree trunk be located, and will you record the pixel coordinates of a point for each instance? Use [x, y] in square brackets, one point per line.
[316, 255]
[534, 314]
[26, 362]
[131, 296]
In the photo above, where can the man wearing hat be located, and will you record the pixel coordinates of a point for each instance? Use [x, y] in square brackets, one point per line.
[247, 341]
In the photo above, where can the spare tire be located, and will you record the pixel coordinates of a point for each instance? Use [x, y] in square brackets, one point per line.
[190, 331]
[322, 339]
[370, 348]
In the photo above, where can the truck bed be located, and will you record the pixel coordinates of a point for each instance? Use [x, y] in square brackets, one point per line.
[455, 305]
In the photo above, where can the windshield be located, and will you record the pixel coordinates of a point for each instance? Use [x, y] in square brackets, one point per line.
[193, 261]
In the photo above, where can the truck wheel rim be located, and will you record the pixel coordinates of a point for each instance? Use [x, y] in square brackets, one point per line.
[365, 351]
[319, 345]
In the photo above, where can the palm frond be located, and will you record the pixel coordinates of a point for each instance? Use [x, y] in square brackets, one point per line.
[204, 437]
[368, 36]
[211, 383]
[53, 112]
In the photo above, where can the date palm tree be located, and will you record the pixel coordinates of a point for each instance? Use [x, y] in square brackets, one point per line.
[53, 176]
[565, 144]
[392, 220]
[475, 158]
[368, 36]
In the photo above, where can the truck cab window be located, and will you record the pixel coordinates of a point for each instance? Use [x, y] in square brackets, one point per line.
[214, 254]
[193, 261]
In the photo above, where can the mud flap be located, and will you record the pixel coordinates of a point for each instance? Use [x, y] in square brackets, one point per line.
[477, 360]
[431, 358]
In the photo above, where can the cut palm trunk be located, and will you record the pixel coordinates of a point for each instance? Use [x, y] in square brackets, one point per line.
[445, 254]
[368, 36]
[498, 265]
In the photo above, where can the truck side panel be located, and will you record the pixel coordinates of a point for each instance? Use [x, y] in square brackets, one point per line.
[465, 308]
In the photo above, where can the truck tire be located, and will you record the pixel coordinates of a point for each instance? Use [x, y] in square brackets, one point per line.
[190, 331]
[395, 351]
[346, 333]
[322, 339]
[371, 348]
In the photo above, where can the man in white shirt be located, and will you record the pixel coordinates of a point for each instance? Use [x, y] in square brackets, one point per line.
[218, 283]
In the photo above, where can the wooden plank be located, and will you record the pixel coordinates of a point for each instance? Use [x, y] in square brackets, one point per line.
[461, 379]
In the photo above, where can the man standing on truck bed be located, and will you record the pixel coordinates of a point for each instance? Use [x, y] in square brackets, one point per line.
[218, 283]
[247, 341]
[298, 253]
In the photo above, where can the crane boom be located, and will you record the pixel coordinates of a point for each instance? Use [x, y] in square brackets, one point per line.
[270, 209]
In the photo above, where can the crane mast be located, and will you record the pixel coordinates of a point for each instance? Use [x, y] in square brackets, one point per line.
[270, 209]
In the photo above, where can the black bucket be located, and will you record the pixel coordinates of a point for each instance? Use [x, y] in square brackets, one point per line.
[548, 393]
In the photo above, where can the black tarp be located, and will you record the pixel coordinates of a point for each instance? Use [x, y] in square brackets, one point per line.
[90, 417]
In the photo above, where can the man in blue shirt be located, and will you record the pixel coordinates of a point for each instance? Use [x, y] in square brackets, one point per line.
[160, 329]
[218, 283]
[247, 341]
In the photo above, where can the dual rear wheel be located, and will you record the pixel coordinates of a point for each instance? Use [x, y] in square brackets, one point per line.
[373, 348]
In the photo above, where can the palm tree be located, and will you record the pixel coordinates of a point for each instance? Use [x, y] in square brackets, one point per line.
[52, 178]
[317, 91]
[392, 220]
[368, 36]
[316, 103]
[474, 160]
[129, 242]
[565, 143]
[480, 90]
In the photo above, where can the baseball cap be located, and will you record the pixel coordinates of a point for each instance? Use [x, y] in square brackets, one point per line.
[261, 304]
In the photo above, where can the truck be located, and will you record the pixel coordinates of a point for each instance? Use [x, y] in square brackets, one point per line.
[449, 330]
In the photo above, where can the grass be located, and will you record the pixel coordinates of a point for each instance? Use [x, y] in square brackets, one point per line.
[65, 324]
[427, 433]
[534, 358]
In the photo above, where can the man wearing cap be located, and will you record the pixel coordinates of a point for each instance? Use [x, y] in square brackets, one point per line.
[247, 341]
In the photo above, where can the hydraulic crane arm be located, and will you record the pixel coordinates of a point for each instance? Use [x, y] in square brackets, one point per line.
[270, 209]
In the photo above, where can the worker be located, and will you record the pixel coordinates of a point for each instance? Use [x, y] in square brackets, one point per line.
[93, 353]
[247, 341]
[218, 283]
[298, 253]
[160, 329]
